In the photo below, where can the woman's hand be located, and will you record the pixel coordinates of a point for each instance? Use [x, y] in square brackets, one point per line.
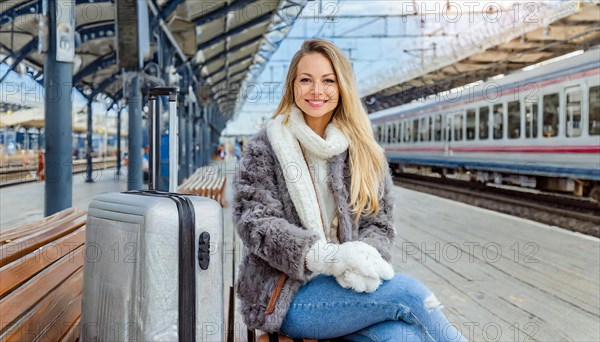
[358, 283]
[355, 264]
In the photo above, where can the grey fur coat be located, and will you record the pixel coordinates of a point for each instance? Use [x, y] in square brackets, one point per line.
[275, 240]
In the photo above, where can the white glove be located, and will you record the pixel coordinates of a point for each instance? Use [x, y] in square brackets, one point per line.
[354, 256]
[322, 258]
[358, 283]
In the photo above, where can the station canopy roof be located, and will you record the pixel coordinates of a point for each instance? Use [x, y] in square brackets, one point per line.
[487, 49]
[221, 42]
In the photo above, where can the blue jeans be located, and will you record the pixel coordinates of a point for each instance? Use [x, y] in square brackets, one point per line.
[402, 309]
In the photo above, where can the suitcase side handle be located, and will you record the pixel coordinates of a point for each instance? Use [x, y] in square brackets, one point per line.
[204, 250]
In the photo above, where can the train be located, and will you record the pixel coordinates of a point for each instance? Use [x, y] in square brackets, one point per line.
[538, 127]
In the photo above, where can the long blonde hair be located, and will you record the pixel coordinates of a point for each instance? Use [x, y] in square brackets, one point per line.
[368, 165]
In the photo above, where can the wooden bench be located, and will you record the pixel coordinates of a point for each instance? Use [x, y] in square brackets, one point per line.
[206, 182]
[253, 336]
[41, 278]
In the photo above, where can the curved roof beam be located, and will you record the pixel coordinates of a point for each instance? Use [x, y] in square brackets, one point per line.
[20, 55]
[118, 95]
[232, 49]
[165, 12]
[96, 30]
[230, 76]
[243, 59]
[219, 12]
[100, 63]
[29, 7]
[105, 83]
[258, 20]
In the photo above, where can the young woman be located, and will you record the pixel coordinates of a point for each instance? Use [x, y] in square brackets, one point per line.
[313, 207]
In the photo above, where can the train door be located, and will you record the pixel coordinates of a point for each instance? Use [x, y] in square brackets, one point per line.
[447, 135]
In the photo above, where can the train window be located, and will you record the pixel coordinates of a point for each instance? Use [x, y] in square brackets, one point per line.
[397, 133]
[424, 126]
[471, 124]
[498, 121]
[514, 119]
[573, 111]
[431, 128]
[407, 135]
[437, 128]
[531, 120]
[594, 110]
[415, 130]
[401, 133]
[389, 134]
[551, 119]
[458, 127]
[484, 122]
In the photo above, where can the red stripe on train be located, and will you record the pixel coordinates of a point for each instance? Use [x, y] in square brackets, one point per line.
[504, 149]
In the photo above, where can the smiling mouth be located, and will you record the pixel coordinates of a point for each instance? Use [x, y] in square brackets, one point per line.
[317, 102]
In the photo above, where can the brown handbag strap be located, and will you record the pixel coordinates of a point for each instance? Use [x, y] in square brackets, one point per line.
[276, 293]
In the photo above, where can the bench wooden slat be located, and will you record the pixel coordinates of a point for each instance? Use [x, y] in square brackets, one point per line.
[282, 338]
[24, 268]
[72, 335]
[205, 182]
[15, 233]
[36, 321]
[13, 305]
[15, 249]
[57, 328]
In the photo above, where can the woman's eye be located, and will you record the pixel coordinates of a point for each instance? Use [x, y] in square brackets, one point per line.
[304, 80]
[330, 81]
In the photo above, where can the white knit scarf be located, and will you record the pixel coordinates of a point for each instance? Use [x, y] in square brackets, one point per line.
[285, 141]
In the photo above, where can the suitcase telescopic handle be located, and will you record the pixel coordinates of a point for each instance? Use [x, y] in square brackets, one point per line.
[163, 91]
[154, 141]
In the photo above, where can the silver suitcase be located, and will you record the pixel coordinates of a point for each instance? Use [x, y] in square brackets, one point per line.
[153, 266]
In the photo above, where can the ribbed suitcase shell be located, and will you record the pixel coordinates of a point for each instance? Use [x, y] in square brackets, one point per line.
[130, 288]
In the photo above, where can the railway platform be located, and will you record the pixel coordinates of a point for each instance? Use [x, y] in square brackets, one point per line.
[499, 277]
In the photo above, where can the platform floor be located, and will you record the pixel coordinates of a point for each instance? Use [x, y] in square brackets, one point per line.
[24, 203]
[500, 278]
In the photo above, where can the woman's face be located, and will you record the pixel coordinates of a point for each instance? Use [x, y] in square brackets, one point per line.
[316, 87]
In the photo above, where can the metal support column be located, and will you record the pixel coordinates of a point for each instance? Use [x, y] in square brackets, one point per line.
[181, 142]
[198, 144]
[206, 136]
[189, 141]
[58, 79]
[119, 153]
[88, 151]
[134, 168]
